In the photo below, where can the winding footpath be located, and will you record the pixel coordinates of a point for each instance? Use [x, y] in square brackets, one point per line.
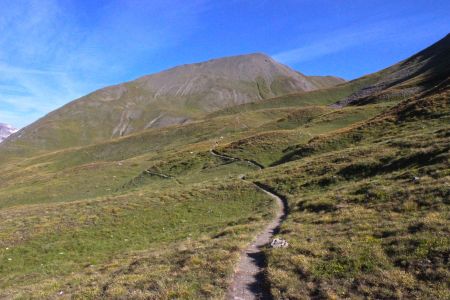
[248, 282]
[230, 158]
[164, 176]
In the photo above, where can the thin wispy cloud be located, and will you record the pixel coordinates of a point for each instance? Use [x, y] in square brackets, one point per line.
[54, 51]
[49, 56]
[339, 40]
[335, 43]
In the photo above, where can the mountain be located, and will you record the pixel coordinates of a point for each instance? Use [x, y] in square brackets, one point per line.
[5, 131]
[175, 96]
[167, 212]
[418, 73]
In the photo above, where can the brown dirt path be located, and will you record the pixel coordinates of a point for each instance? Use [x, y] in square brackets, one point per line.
[248, 281]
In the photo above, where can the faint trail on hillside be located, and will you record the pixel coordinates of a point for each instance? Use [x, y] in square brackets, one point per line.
[132, 182]
[158, 174]
[162, 175]
[227, 157]
[248, 280]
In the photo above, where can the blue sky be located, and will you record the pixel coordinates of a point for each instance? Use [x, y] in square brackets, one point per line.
[54, 51]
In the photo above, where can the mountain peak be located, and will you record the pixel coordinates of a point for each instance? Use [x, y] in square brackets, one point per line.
[254, 55]
[250, 68]
[5, 131]
[240, 57]
[237, 67]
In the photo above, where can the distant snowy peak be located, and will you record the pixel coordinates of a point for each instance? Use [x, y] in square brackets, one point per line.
[5, 131]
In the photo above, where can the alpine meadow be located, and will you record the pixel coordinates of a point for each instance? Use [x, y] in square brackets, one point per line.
[235, 178]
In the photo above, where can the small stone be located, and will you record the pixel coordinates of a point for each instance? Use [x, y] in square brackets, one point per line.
[61, 293]
[9, 258]
[279, 243]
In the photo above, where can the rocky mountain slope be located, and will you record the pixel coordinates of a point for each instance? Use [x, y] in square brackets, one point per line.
[420, 72]
[176, 96]
[5, 131]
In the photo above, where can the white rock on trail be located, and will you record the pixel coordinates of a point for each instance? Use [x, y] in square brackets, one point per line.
[279, 243]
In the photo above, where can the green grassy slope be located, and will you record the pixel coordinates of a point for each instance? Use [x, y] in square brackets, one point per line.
[106, 246]
[103, 168]
[369, 209]
[154, 215]
[271, 146]
[320, 97]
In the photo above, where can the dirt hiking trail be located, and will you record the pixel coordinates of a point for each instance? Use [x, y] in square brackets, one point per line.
[248, 281]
